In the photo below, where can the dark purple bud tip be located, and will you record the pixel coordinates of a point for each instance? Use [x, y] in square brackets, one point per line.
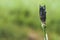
[42, 13]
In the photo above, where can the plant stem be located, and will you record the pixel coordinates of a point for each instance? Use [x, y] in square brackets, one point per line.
[44, 30]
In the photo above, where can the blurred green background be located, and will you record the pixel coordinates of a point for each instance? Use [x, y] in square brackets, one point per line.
[17, 17]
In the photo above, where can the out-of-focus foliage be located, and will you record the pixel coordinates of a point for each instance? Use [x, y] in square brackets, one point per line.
[17, 16]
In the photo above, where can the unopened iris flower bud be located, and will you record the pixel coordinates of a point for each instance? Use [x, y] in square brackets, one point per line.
[43, 13]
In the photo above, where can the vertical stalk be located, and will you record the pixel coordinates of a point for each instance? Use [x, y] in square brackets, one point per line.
[43, 20]
[45, 31]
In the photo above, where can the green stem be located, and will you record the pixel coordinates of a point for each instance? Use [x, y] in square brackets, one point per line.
[45, 33]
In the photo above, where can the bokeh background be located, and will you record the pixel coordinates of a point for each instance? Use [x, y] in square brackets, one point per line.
[20, 18]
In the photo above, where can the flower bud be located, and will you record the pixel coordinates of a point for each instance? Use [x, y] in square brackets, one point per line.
[43, 13]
